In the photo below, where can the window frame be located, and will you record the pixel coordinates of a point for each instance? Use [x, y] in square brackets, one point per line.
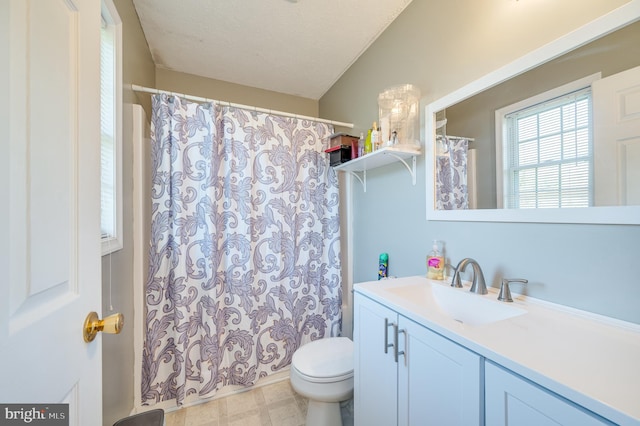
[501, 128]
[114, 242]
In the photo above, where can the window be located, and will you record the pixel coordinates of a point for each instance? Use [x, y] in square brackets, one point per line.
[111, 128]
[547, 149]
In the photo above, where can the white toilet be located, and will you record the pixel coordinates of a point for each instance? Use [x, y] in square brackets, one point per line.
[322, 370]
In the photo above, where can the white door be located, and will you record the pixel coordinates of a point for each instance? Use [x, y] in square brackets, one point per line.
[513, 401]
[616, 139]
[375, 372]
[50, 215]
[438, 382]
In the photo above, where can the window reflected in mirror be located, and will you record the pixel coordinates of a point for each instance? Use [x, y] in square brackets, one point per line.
[564, 134]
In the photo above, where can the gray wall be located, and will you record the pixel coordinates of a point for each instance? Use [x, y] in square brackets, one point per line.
[117, 350]
[224, 91]
[441, 46]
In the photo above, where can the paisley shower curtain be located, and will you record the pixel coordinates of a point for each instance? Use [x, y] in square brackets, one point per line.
[244, 255]
[451, 173]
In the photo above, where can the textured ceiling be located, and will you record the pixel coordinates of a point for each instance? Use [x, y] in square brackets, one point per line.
[296, 47]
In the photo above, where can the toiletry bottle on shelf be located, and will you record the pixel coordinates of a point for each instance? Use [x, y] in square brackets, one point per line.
[435, 262]
[375, 137]
[361, 145]
[394, 138]
[367, 143]
[383, 266]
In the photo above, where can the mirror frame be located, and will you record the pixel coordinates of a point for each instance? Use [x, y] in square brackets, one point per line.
[630, 215]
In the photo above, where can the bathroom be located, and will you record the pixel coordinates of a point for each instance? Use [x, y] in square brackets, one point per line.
[561, 261]
[439, 47]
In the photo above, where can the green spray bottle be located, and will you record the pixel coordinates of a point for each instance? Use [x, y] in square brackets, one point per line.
[383, 266]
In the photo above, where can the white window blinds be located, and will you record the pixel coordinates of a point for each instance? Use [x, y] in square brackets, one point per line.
[549, 153]
[107, 131]
[111, 128]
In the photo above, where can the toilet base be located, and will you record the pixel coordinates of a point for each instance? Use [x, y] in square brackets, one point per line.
[323, 413]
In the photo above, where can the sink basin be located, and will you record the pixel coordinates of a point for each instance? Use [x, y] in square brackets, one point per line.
[458, 304]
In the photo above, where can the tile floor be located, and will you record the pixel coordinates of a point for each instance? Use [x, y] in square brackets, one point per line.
[276, 404]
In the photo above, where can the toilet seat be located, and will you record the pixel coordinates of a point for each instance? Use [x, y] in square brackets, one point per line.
[330, 379]
[325, 360]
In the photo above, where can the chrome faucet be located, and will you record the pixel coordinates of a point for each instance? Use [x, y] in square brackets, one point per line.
[478, 285]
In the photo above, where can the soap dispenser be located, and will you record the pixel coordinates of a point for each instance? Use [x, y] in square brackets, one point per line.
[435, 262]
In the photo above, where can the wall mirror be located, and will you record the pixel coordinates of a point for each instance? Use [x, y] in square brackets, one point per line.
[564, 160]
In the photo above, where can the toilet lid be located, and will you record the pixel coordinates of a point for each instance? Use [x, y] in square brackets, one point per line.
[325, 358]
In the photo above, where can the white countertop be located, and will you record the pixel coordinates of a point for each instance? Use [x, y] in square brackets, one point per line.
[591, 360]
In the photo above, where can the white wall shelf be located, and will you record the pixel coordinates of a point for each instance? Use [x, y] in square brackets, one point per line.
[358, 167]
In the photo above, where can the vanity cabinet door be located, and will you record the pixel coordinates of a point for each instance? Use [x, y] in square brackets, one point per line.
[439, 381]
[375, 372]
[512, 400]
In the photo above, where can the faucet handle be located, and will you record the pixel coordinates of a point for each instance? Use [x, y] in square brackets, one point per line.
[455, 280]
[505, 292]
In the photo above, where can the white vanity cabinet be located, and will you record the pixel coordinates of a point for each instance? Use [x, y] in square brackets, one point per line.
[545, 366]
[513, 400]
[433, 382]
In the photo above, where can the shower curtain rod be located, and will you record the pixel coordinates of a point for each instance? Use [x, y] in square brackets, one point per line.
[137, 88]
[455, 137]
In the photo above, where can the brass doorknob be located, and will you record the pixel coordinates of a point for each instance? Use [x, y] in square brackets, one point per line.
[93, 324]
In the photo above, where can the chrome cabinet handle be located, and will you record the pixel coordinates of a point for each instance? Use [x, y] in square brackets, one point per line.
[387, 345]
[396, 333]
